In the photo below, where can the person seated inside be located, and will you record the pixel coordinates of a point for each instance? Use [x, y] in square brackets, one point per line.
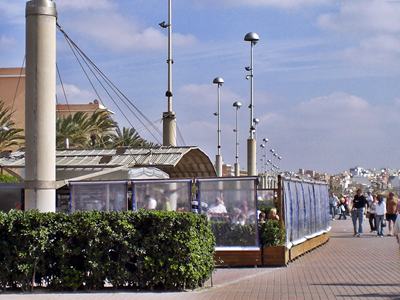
[218, 207]
[273, 214]
[151, 203]
[262, 218]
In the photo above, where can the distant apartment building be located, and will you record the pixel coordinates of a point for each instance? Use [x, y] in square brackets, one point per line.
[12, 94]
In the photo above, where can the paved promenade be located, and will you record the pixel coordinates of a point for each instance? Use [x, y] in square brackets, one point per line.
[346, 267]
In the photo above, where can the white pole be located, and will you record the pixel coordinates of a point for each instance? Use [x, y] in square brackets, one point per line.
[40, 107]
[169, 117]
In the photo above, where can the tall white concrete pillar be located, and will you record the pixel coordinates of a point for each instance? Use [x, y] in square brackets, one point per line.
[40, 106]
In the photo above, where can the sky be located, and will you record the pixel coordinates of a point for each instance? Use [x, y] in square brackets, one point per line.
[326, 73]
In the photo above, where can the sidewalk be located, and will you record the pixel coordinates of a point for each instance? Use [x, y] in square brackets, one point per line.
[346, 267]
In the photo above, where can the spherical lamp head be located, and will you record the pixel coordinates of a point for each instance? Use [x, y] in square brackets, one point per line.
[252, 37]
[265, 140]
[256, 121]
[237, 104]
[218, 80]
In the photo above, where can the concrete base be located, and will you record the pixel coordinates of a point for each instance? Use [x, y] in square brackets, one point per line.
[169, 129]
[42, 200]
[251, 157]
[218, 165]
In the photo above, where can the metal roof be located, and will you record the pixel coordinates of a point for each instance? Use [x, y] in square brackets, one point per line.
[178, 162]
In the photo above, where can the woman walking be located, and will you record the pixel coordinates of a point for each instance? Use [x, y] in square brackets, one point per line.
[380, 210]
[371, 213]
[391, 206]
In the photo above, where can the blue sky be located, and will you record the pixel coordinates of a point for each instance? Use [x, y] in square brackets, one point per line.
[326, 80]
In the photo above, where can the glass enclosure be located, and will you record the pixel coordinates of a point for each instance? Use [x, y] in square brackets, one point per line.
[306, 208]
[101, 196]
[172, 195]
[230, 205]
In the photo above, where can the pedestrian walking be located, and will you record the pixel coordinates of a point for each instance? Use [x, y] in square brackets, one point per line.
[396, 230]
[357, 212]
[342, 209]
[391, 207]
[380, 210]
[371, 212]
[333, 203]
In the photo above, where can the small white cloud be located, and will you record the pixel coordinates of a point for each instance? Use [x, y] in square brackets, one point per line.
[74, 94]
[13, 11]
[336, 103]
[6, 41]
[84, 5]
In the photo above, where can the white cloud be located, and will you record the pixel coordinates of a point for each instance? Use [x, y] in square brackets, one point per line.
[283, 4]
[6, 41]
[13, 11]
[336, 131]
[84, 5]
[74, 94]
[120, 34]
[367, 16]
[370, 28]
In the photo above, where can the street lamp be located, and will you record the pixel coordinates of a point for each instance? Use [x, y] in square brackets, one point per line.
[237, 105]
[218, 159]
[169, 117]
[253, 38]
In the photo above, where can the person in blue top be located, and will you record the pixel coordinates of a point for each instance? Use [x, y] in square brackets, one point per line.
[357, 212]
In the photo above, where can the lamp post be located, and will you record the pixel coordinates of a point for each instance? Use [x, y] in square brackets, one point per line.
[253, 38]
[218, 158]
[265, 140]
[169, 117]
[262, 146]
[237, 106]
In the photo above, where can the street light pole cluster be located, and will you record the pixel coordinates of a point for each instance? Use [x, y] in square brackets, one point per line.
[253, 38]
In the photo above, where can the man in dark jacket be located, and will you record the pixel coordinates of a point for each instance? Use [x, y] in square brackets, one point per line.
[357, 212]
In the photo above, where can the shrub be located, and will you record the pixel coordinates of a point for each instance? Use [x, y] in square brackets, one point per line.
[145, 250]
[230, 234]
[272, 233]
[5, 178]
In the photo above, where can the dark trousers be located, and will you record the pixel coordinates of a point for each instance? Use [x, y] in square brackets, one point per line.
[342, 213]
[372, 223]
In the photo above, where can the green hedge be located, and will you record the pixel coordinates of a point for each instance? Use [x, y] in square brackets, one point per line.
[272, 233]
[148, 250]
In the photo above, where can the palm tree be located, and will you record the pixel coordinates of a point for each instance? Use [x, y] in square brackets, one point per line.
[9, 135]
[129, 137]
[85, 131]
[101, 128]
[75, 128]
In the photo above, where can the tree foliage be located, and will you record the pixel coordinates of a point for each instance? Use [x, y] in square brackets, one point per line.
[10, 136]
[96, 131]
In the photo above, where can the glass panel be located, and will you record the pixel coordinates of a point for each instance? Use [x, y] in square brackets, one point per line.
[267, 198]
[230, 205]
[11, 197]
[288, 210]
[101, 196]
[162, 195]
